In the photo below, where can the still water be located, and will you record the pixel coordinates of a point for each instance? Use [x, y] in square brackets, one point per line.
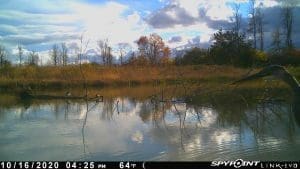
[207, 127]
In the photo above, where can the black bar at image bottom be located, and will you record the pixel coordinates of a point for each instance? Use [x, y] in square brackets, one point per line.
[239, 163]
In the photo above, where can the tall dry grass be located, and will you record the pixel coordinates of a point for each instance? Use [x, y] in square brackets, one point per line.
[69, 76]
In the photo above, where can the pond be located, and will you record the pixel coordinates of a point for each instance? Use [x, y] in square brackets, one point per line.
[158, 126]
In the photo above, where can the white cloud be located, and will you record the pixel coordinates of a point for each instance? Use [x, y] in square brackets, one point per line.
[215, 9]
[214, 12]
[191, 6]
[108, 21]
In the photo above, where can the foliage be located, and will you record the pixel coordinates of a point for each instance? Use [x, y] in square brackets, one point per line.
[286, 57]
[153, 49]
[193, 57]
[231, 48]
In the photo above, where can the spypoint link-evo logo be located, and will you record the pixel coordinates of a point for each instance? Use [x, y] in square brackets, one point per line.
[236, 164]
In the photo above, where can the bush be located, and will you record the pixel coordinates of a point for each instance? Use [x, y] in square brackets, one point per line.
[194, 56]
[287, 57]
[231, 48]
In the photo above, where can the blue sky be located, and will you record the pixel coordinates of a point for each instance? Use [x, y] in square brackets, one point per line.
[38, 24]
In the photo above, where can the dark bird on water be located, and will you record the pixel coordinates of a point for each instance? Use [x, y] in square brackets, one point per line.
[283, 74]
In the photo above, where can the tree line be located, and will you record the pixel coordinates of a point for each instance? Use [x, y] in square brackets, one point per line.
[246, 48]
[233, 46]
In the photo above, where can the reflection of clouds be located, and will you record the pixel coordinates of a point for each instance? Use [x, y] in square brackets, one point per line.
[133, 110]
[181, 107]
[137, 137]
[194, 143]
[223, 136]
[208, 117]
[125, 105]
[82, 111]
[201, 136]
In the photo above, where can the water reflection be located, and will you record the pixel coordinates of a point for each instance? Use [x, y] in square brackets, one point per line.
[217, 126]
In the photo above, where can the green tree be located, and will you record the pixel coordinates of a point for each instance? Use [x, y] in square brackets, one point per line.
[231, 48]
[193, 57]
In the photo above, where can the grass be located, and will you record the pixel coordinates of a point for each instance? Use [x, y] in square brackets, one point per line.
[48, 77]
[51, 77]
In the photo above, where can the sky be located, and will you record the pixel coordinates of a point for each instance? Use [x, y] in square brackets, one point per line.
[38, 24]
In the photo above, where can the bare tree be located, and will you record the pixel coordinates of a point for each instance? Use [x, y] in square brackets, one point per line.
[64, 54]
[55, 54]
[287, 21]
[122, 50]
[252, 22]
[260, 24]
[151, 48]
[276, 41]
[156, 46]
[82, 50]
[109, 56]
[2, 55]
[100, 48]
[237, 18]
[20, 53]
[33, 58]
[103, 49]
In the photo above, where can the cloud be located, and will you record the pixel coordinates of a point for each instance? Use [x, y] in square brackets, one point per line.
[39, 38]
[182, 23]
[170, 16]
[175, 39]
[185, 13]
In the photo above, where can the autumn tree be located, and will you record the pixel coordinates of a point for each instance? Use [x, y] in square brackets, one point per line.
[143, 45]
[151, 47]
[166, 55]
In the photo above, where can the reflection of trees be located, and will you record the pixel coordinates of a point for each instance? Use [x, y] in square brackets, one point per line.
[108, 107]
[234, 108]
[88, 109]
[180, 123]
[146, 111]
[262, 116]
